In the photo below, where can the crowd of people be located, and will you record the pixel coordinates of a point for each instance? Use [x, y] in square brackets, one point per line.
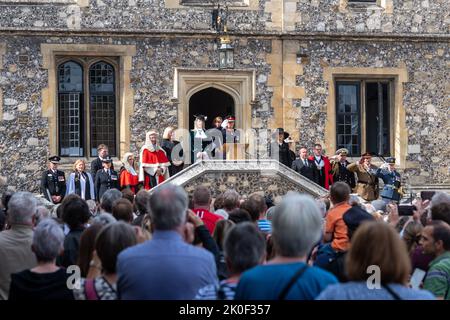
[124, 242]
[169, 245]
[160, 161]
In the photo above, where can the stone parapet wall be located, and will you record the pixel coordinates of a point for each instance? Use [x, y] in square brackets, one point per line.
[321, 16]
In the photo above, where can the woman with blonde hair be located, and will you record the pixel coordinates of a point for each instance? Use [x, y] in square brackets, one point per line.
[81, 182]
[128, 176]
[168, 144]
[217, 123]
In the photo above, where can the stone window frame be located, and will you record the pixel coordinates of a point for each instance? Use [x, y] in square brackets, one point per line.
[386, 5]
[86, 62]
[362, 127]
[235, 4]
[125, 92]
[239, 83]
[399, 133]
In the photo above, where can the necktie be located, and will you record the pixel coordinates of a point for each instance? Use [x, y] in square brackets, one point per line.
[306, 163]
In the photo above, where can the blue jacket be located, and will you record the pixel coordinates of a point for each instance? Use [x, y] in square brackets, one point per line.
[392, 183]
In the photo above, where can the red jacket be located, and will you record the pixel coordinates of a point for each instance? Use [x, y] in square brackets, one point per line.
[327, 170]
[210, 219]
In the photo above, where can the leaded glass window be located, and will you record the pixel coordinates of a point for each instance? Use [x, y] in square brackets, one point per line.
[70, 93]
[87, 106]
[103, 107]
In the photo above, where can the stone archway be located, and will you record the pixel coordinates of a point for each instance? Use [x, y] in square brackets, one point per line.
[239, 84]
[211, 102]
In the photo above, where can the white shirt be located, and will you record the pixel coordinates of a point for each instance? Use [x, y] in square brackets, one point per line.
[200, 133]
[83, 186]
[319, 161]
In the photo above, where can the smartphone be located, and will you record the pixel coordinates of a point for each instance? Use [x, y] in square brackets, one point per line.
[406, 209]
[417, 278]
[427, 195]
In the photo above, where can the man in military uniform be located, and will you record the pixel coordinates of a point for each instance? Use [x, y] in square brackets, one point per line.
[392, 182]
[229, 134]
[105, 179]
[367, 180]
[53, 182]
[339, 170]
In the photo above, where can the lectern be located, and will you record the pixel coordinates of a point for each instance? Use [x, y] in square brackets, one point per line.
[235, 151]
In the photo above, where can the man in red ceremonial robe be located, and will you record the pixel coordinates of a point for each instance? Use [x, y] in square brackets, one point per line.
[154, 167]
[325, 178]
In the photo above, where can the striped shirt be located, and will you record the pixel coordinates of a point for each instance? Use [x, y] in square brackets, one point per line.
[224, 291]
[265, 226]
[438, 277]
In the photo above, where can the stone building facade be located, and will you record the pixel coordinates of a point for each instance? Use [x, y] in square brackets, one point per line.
[324, 70]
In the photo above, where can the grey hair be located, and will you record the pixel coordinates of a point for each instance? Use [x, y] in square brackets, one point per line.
[168, 205]
[354, 200]
[104, 218]
[296, 226]
[48, 240]
[322, 207]
[440, 197]
[108, 199]
[92, 206]
[244, 246]
[21, 208]
[41, 214]
[230, 200]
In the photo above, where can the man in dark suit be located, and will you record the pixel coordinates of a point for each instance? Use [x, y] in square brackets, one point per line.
[53, 182]
[305, 166]
[279, 150]
[106, 179]
[103, 152]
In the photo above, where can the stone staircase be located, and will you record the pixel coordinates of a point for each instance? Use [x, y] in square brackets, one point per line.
[245, 176]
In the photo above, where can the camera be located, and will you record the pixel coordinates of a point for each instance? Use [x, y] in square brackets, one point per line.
[406, 209]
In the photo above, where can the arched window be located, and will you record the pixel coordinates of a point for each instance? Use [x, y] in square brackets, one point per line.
[87, 107]
[102, 107]
[70, 94]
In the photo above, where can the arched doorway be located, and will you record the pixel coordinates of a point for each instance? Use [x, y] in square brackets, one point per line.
[212, 103]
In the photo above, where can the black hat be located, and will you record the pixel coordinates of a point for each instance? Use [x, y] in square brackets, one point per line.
[390, 160]
[54, 159]
[107, 159]
[354, 217]
[280, 131]
[200, 117]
